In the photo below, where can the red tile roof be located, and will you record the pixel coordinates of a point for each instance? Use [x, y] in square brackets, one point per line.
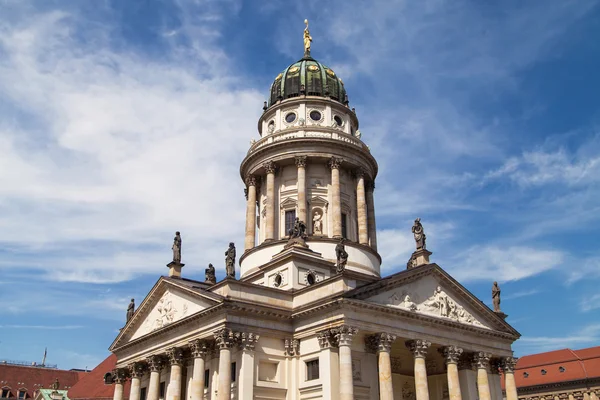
[33, 378]
[557, 366]
[93, 387]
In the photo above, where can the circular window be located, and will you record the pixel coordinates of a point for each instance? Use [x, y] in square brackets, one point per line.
[277, 280]
[338, 120]
[310, 278]
[290, 117]
[315, 115]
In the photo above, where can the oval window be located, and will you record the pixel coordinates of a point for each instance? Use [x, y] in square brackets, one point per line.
[290, 117]
[278, 280]
[310, 278]
[315, 115]
[338, 120]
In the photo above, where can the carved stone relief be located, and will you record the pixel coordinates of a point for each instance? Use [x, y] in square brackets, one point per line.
[356, 370]
[408, 391]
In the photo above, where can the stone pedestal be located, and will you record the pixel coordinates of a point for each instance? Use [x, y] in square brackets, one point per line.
[418, 258]
[175, 269]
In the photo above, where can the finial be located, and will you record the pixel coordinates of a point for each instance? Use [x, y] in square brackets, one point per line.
[307, 40]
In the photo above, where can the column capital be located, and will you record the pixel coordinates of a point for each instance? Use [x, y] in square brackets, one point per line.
[326, 339]
[418, 347]
[451, 354]
[119, 375]
[343, 334]
[270, 167]
[495, 365]
[250, 180]
[359, 172]
[335, 162]
[509, 364]
[246, 340]
[175, 356]
[136, 369]
[225, 338]
[292, 347]
[482, 359]
[155, 363]
[200, 348]
[300, 161]
[379, 342]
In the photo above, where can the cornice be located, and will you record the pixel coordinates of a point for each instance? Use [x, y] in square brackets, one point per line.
[575, 384]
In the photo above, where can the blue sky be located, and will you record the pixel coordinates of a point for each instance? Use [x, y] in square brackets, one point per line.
[124, 121]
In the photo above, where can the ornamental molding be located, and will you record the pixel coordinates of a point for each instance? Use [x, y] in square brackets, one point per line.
[291, 347]
[343, 334]
[137, 369]
[199, 348]
[300, 161]
[509, 364]
[481, 360]
[175, 355]
[270, 167]
[246, 340]
[327, 339]
[379, 342]
[155, 363]
[451, 354]
[225, 338]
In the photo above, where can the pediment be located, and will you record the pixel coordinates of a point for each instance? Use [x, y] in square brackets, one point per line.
[318, 201]
[430, 296]
[288, 203]
[452, 302]
[167, 303]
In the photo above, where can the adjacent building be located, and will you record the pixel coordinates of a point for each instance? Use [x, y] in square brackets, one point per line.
[559, 375]
[20, 380]
[310, 316]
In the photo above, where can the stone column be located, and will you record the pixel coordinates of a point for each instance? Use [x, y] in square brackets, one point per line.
[508, 368]
[451, 355]
[361, 207]
[225, 340]
[336, 196]
[270, 206]
[136, 371]
[155, 364]
[371, 215]
[175, 357]
[482, 361]
[381, 344]
[119, 378]
[199, 350]
[250, 213]
[247, 342]
[419, 349]
[329, 363]
[301, 164]
[343, 336]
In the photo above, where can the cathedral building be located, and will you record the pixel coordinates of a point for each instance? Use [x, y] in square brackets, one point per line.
[310, 316]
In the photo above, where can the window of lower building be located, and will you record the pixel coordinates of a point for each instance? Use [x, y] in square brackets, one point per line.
[5, 393]
[22, 394]
[162, 390]
[143, 394]
[206, 377]
[233, 371]
[312, 370]
[344, 225]
[290, 219]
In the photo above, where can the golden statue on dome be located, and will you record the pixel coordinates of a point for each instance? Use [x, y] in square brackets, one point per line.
[307, 39]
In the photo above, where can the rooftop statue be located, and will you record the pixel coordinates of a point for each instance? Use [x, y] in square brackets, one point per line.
[341, 255]
[56, 384]
[209, 274]
[496, 297]
[307, 39]
[419, 234]
[230, 260]
[130, 309]
[177, 248]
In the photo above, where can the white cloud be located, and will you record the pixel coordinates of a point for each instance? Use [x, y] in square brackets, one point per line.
[503, 264]
[43, 327]
[112, 150]
[587, 335]
[590, 303]
[523, 293]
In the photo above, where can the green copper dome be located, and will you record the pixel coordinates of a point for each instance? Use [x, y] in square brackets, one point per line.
[307, 77]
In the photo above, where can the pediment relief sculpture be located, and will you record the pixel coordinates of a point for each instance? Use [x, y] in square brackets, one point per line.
[439, 304]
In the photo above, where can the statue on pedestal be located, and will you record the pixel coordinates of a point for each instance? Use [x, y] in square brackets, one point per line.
[496, 297]
[177, 248]
[317, 223]
[307, 39]
[297, 235]
[419, 234]
[341, 255]
[55, 384]
[130, 310]
[230, 260]
[209, 275]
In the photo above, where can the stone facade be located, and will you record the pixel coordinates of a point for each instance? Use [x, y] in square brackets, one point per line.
[294, 327]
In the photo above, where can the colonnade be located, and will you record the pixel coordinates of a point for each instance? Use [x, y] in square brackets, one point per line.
[174, 359]
[381, 345]
[364, 202]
